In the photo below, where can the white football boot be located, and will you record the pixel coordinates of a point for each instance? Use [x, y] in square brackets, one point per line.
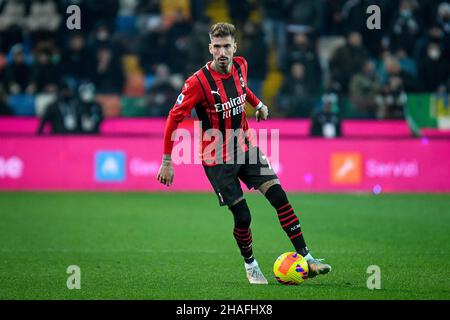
[254, 273]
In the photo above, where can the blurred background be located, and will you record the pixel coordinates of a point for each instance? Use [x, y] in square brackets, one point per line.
[322, 72]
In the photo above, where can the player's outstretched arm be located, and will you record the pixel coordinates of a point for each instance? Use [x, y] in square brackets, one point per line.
[166, 172]
[190, 96]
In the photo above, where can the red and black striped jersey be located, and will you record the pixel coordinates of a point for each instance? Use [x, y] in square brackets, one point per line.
[219, 101]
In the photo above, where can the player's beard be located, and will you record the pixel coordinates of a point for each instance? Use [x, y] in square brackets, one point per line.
[223, 65]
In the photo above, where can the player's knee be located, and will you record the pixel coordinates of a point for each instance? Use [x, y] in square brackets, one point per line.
[241, 214]
[266, 185]
[276, 196]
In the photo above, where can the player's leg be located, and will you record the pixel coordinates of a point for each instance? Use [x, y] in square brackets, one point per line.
[261, 176]
[241, 231]
[229, 191]
[286, 216]
[243, 236]
[290, 223]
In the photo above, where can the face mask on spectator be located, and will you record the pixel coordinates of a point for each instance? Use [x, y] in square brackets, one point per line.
[405, 13]
[102, 35]
[87, 93]
[434, 54]
[87, 96]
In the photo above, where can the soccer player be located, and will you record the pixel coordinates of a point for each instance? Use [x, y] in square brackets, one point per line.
[218, 92]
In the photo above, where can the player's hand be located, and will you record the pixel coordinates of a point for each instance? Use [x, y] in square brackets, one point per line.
[262, 113]
[166, 173]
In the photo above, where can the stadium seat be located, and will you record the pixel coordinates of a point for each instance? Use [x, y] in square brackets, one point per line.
[273, 80]
[2, 61]
[218, 11]
[149, 81]
[130, 64]
[134, 86]
[22, 104]
[170, 7]
[110, 104]
[133, 107]
[126, 24]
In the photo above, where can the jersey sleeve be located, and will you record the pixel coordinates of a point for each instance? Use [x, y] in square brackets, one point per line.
[189, 97]
[251, 97]
[243, 62]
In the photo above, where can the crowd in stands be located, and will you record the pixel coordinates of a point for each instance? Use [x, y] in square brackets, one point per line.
[137, 53]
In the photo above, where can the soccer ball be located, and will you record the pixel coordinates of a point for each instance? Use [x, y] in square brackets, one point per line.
[290, 268]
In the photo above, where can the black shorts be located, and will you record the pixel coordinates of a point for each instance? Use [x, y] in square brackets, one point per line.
[225, 177]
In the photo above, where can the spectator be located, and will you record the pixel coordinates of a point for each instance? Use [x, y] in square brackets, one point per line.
[163, 93]
[239, 11]
[364, 87]
[177, 44]
[5, 110]
[198, 9]
[433, 69]
[63, 114]
[77, 59]
[346, 61]
[104, 11]
[109, 76]
[43, 21]
[407, 64]
[333, 24]
[254, 49]
[443, 17]
[295, 97]
[353, 16]
[91, 115]
[103, 37]
[392, 97]
[274, 26]
[326, 122]
[302, 51]
[406, 27]
[18, 73]
[428, 11]
[45, 74]
[146, 11]
[128, 7]
[392, 68]
[198, 41]
[307, 13]
[443, 22]
[433, 34]
[12, 19]
[151, 50]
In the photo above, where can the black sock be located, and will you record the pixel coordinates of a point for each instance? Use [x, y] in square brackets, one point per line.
[242, 232]
[287, 217]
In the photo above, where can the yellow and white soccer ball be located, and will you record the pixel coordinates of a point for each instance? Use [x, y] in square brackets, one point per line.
[290, 268]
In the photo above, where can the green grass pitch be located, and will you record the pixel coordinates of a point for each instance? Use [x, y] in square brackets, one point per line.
[180, 246]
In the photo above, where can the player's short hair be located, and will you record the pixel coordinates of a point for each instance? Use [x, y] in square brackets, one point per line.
[222, 30]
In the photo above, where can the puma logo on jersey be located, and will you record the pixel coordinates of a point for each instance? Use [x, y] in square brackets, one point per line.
[216, 92]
